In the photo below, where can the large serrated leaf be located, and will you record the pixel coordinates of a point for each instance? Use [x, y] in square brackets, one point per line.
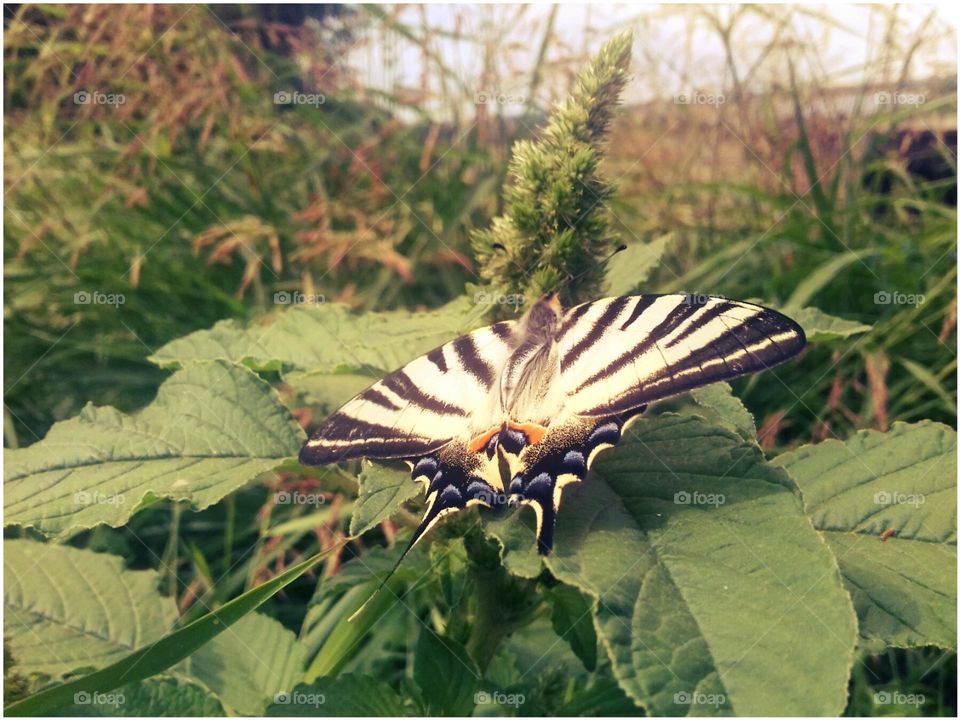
[69, 609]
[251, 665]
[382, 491]
[721, 407]
[158, 656]
[705, 569]
[325, 338]
[211, 429]
[899, 487]
[632, 265]
[821, 327]
[445, 673]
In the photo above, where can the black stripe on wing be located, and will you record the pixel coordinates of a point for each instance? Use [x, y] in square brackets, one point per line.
[739, 347]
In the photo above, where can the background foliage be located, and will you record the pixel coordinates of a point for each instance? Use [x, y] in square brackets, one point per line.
[205, 202]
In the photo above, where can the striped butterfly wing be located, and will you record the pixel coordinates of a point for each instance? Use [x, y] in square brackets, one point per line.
[621, 353]
[421, 407]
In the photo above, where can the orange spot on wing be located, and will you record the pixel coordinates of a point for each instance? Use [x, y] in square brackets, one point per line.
[480, 442]
[533, 432]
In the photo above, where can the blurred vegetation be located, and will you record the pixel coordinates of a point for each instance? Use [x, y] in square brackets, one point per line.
[200, 197]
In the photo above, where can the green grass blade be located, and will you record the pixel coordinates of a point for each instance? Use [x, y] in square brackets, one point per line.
[164, 653]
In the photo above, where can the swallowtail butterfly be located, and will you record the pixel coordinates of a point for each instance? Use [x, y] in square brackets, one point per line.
[516, 411]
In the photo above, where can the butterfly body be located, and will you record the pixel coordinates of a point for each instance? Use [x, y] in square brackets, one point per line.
[516, 411]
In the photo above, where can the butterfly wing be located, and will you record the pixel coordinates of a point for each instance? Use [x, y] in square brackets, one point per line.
[421, 407]
[620, 353]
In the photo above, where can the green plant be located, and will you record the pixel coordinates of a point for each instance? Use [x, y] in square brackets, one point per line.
[692, 574]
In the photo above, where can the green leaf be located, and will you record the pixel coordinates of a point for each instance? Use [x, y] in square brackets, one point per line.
[69, 609]
[904, 588]
[630, 267]
[721, 407]
[820, 327]
[382, 491]
[815, 281]
[329, 390]
[161, 696]
[343, 696]
[211, 429]
[163, 654]
[330, 633]
[572, 620]
[445, 673]
[251, 664]
[705, 569]
[326, 338]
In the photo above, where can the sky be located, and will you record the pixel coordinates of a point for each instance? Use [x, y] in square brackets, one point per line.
[675, 48]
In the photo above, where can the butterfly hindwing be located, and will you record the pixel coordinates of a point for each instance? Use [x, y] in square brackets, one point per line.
[454, 478]
[620, 353]
[564, 456]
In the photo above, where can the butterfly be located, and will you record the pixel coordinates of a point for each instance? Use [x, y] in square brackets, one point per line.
[516, 411]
